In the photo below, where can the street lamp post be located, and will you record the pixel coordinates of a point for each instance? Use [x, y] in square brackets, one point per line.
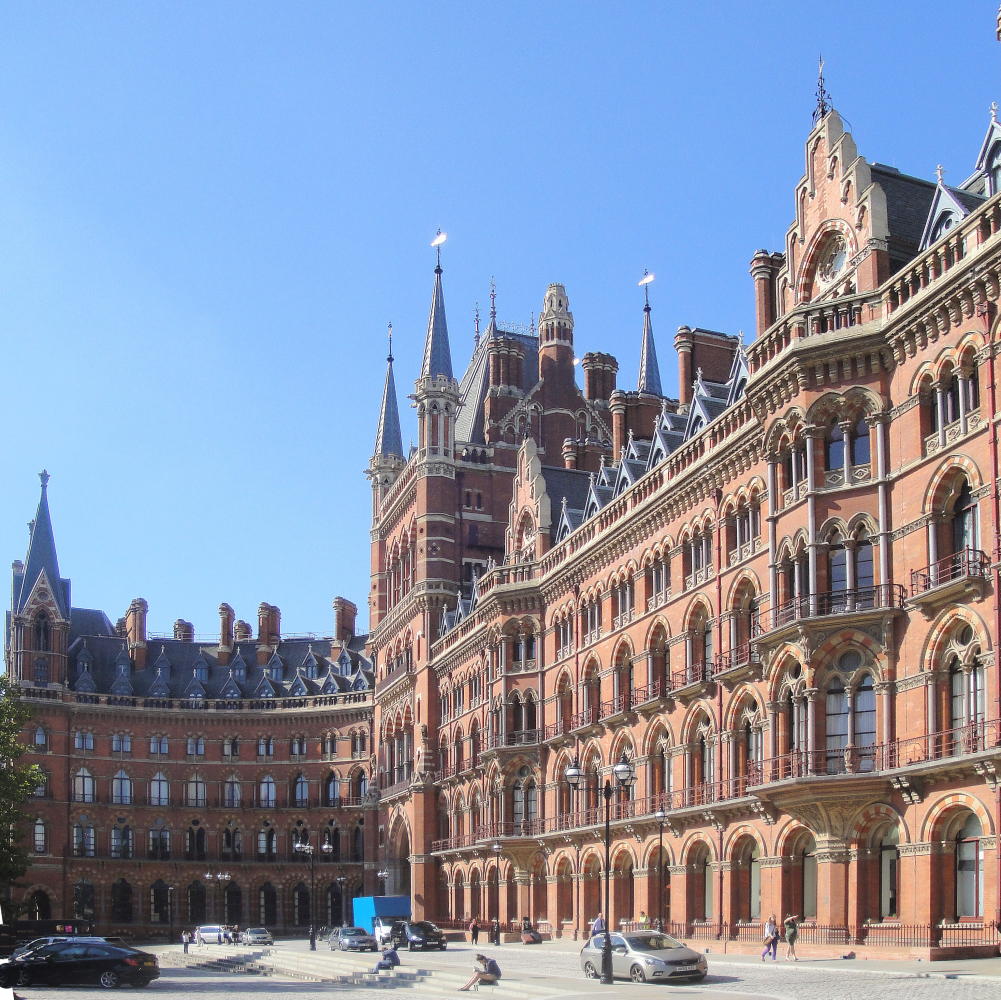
[220, 878]
[660, 816]
[170, 910]
[310, 852]
[497, 857]
[341, 882]
[624, 775]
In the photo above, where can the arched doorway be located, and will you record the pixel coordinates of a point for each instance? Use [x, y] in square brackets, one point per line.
[398, 861]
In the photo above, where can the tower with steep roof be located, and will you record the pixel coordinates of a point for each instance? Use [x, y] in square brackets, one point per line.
[387, 456]
[40, 605]
[649, 376]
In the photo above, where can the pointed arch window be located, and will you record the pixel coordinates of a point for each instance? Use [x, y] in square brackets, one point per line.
[83, 838]
[232, 844]
[159, 790]
[836, 726]
[834, 447]
[300, 791]
[864, 722]
[159, 844]
[122, 841]
[969, 869]
[964, 520]
[194, 843]
[121, 789]
[83, 786]
[232, 792]
[121, 743]
[267, 795]
[39, 837]
[43, 632]
[195, 793]
[267, 844]
[41, 740]
[861, 450]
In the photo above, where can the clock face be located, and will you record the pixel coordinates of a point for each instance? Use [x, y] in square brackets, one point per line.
[833, 259]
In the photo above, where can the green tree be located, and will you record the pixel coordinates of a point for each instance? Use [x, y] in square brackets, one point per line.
[17, 781]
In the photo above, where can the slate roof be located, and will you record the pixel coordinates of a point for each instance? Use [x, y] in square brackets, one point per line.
[100, 663]
[908, 200]
[567, 483]
[437, 356]
[41, 558]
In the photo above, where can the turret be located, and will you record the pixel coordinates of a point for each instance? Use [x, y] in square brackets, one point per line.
[556, 340]
[387, 457]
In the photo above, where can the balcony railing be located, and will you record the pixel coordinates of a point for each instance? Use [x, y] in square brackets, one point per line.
[741, 656]
[694, 673]
[960, 565]
[516, 738]
[965, 740]
[882, 596]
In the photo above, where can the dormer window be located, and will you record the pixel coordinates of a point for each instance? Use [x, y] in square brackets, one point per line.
[43, 635]
[945, 222]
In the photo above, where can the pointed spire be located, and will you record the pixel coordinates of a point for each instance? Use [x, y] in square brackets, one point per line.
[476, 327]
[437, 356]
[649, 380]
[388, 440]
[42, 557]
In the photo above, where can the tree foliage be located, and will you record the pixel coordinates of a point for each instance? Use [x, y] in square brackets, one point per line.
[17, 782]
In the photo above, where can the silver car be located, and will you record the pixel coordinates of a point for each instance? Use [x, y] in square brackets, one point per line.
[356, 939]
[644, 956]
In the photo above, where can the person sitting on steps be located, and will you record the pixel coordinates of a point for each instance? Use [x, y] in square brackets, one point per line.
[488, 972]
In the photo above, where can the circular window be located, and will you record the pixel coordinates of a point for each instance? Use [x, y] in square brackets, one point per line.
[849, 661]
[965, 635]
[833, 258]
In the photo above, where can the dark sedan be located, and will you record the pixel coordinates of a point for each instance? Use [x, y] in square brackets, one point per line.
[81, 962]
[419, 935]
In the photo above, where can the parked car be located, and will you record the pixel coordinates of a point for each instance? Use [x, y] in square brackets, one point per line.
[36, 943]
[78, 961]
[209, 933]
[356, 939]
[334, 938]
[417, 935]
[643, 956]
[257, 935]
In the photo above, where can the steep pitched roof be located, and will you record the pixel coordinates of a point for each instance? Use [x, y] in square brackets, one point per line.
[41, 558]
[437, 356]
[649, 379]
[388, 439]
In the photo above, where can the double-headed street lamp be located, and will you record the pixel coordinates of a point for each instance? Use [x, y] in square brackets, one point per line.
[220, 878]
[310, 852]
[625, 775]
[661, 817]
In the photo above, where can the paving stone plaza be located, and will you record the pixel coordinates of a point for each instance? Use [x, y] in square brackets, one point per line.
[549, 970]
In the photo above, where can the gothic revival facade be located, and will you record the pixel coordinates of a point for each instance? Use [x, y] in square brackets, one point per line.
[775, 597]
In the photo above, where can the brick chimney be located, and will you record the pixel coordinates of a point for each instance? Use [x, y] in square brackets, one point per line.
[599, 376]
[345, 618]
[242, 632]
[184, 631]
[226, 618]
[269, 631]
[135, 631]
[765, 267]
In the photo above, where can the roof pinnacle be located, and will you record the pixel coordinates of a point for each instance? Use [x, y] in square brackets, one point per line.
[824, 102]
[649, 375]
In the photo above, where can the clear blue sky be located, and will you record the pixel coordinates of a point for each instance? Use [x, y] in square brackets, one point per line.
[210, 211]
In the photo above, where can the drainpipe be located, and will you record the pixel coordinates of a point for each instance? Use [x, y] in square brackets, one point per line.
[988, 310]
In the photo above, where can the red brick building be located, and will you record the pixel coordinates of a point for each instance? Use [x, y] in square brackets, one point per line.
[775, 597]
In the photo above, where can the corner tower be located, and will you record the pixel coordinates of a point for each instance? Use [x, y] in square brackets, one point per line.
[40, 606]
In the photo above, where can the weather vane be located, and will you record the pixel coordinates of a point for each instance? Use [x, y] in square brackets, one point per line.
[645, 282]
[439, 239]
[824, 103]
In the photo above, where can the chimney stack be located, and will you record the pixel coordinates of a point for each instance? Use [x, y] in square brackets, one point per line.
[269, 631]
[242, 632]
[184, 631]
[135, 629]
[345, 618]
[226, 618]
[599, 376]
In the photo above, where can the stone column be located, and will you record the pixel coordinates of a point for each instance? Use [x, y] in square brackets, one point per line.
[812, 435]
[832, 882]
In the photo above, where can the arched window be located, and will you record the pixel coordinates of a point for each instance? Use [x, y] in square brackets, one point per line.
[332, 790]
[121, 743]
[41, 740]
[889, 874]
[121, 902]
[267, 796]
[860, 448]
[267, 905]
[232, 844]
[83, 838]
[122, 841]
[358, 843]
[83, 786]
[836, 723]
[121, 789]
[864, 719]
[267, 844]
[196, 903]
[964, 520]
[837, 567]
[834, 448]
[300, 791]
[969, 870]
[159, 843]
[159, 790]
[194, 843]
[865, 573]
[43, 634]
[194, 791]
[159, 903]
[231, 792]
[39, 837]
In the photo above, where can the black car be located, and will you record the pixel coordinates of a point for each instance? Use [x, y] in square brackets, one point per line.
[81, 962]
[418, 935]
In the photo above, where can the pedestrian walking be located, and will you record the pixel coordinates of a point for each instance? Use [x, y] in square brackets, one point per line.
[792, 932]
[598, 925]
[185, 940]
[199, 940]
[644, 921]
[474, 930]
[495, 932]
[771, 938]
